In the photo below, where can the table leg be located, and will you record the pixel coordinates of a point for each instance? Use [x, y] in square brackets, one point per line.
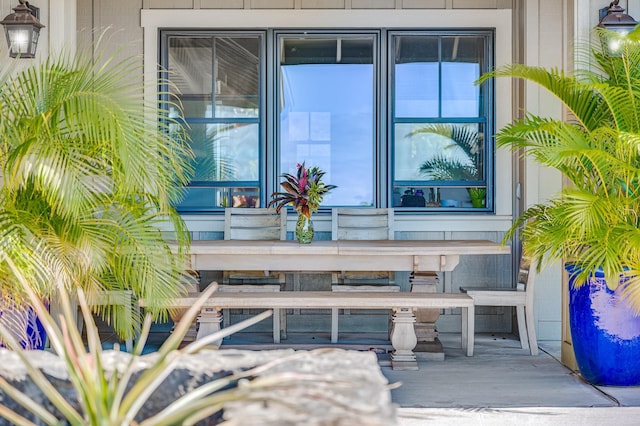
[209, 321]
[403, 340]
[425, 282]
[468, 329]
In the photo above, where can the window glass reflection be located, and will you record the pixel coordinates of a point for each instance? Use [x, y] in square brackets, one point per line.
[327, 114]
[417, 71]
[236, 76]
[190, 67]
[205, 198]
[439, 152]
[225, 152]
[461, 62]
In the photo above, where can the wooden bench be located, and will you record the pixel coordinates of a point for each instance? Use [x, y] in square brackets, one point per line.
[403, 304]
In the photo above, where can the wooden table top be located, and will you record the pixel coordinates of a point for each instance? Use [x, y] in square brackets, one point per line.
[342, 255]
[349, 247]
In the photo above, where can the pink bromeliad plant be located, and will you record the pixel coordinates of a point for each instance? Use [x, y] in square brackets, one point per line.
[304, 191]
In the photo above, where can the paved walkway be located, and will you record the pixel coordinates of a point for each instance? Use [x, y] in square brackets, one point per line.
[534, 416]
[503, 385]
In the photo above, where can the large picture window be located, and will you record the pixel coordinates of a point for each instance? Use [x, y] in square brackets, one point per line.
[327, 111]
[441, 158]
[393, 117]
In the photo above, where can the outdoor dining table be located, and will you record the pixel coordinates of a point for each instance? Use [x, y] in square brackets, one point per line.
[352, 255]
[417, 256]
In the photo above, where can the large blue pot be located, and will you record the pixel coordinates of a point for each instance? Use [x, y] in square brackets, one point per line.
[604, 331]
[24, 325]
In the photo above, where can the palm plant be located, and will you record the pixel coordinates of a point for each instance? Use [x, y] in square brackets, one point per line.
[594, 222]
[88, 181]
[443, 167]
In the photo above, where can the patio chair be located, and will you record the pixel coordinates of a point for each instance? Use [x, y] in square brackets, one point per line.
[360, 224]
[255, 224]
[521, 298]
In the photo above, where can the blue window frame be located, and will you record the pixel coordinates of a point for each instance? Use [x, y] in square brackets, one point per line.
[218, 77]
[327, 87]
[393, 117]
[441, 121]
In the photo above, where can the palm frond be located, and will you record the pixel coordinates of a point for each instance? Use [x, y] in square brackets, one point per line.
[441, 167]
[584, 102]
[89, 181]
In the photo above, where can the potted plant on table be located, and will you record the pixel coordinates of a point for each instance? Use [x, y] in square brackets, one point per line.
[88, 182]
[594, 223]
[304, 192]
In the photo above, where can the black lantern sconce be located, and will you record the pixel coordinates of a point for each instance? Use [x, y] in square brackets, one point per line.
[23, 30]
[614, 19]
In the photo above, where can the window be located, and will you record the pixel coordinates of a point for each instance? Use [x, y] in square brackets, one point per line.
[440, 119]
[218, 80]
[327, 111]
[393, 117]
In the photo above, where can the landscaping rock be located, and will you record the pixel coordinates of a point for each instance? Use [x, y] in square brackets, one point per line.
[320, 387]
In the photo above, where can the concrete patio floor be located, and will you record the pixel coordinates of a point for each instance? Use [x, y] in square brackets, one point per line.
[500, 385]
[503, 385]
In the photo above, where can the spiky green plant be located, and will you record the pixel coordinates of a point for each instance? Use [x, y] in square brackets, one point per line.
[90, 178]
[113, 399]
[108, 397]
[595, 221]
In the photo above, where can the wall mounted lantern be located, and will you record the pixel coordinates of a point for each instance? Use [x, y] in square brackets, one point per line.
[22, 29]
[614, 19]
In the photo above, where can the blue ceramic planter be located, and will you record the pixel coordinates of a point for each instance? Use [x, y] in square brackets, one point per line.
[25, 326]
[605, 333]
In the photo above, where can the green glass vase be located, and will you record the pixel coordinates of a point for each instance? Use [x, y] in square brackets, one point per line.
[304, 229]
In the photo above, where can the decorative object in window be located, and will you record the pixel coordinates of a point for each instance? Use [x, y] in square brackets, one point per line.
[305, 192]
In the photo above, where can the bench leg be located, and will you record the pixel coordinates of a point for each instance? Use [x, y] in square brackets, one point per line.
[283, 323]
[276, 325]
[468, 329]
[403, 340]
[334, 325]
[209, 321]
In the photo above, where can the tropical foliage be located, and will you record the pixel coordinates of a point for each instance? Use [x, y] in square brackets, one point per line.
[593, 222]
[90, 178]
[304, 191]
[446, 167]
[116, 399]
[113, 391]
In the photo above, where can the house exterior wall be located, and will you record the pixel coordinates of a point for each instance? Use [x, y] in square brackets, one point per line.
[546, 37]
[479, 270]
[536, 32]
